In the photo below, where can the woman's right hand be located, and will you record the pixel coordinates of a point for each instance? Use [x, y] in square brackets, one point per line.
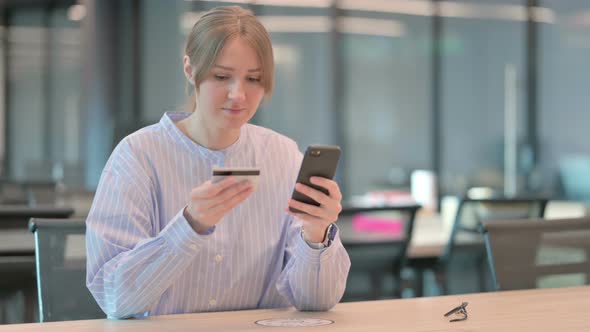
[211, 201]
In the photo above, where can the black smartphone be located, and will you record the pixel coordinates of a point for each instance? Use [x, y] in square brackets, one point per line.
[319, 160]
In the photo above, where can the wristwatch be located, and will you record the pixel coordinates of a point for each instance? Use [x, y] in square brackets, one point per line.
[328, 237]
[330, 234]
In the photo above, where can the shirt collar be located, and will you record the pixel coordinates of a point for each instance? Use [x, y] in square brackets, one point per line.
[168, 122]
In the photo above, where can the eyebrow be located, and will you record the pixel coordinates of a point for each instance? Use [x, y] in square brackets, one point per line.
[232, 69]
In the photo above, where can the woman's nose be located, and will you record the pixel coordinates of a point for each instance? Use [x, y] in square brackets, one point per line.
[236, 92]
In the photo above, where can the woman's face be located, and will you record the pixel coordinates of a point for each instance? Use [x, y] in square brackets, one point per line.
[230, 93]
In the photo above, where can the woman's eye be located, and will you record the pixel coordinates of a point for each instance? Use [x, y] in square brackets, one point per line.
[254, 79]
[221, 77]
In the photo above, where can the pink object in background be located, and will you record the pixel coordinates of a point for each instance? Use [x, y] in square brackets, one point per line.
[368, 223]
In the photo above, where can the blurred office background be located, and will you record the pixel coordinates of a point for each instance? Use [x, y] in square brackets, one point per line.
[448, 86]
[482, 93]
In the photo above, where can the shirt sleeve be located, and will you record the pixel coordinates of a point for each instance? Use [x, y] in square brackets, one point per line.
[313, 279]
[128, 266]
[314, 245]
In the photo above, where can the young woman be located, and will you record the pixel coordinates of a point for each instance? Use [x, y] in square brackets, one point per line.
[162, 238]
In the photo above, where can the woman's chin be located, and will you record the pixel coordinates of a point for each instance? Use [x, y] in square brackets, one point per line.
[235, 121]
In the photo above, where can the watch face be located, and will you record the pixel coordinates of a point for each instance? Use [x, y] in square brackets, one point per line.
[294, 322]
[332, 231]
[330, 234]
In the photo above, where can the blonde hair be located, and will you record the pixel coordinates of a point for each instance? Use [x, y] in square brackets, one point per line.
[214, 29]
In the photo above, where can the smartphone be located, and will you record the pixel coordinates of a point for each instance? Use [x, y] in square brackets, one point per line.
[319, 160]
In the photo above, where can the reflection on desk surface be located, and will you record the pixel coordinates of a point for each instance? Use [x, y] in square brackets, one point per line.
[562, 309]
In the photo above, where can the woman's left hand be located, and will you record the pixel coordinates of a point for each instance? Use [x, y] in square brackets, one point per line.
[316, 219]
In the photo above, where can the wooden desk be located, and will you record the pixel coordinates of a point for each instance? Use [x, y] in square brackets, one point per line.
[550, 310]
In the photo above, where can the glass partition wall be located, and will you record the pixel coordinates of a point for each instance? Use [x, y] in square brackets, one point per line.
[482, 92]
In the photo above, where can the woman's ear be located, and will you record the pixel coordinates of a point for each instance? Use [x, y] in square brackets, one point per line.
[188, 69]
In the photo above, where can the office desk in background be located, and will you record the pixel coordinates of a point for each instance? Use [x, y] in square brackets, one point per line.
[562, 309]
[431, 230]
[429, 236]
[18, 213]
[430, 233]
[15, 239]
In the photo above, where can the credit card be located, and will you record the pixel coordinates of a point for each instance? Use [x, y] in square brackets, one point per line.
[241, 173]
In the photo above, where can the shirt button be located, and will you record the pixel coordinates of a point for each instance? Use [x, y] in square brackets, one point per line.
[218, 258]
[193, 246]
[212, 302]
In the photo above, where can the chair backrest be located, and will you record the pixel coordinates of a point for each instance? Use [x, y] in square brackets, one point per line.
[366, 246]
[472, 212]
[375, 249]
[548, 253]
[60, 250]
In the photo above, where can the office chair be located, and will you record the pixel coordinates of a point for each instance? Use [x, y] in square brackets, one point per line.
[60, 251]
[462, 267]
[18, 264]
[525, 254]
[373, 260]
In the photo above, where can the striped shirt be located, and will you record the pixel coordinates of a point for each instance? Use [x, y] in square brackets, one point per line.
[143, 257]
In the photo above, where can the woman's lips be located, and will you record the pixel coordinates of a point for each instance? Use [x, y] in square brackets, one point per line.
[234, 110]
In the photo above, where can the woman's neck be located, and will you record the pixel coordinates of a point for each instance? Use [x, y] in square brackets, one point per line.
[209, 137]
